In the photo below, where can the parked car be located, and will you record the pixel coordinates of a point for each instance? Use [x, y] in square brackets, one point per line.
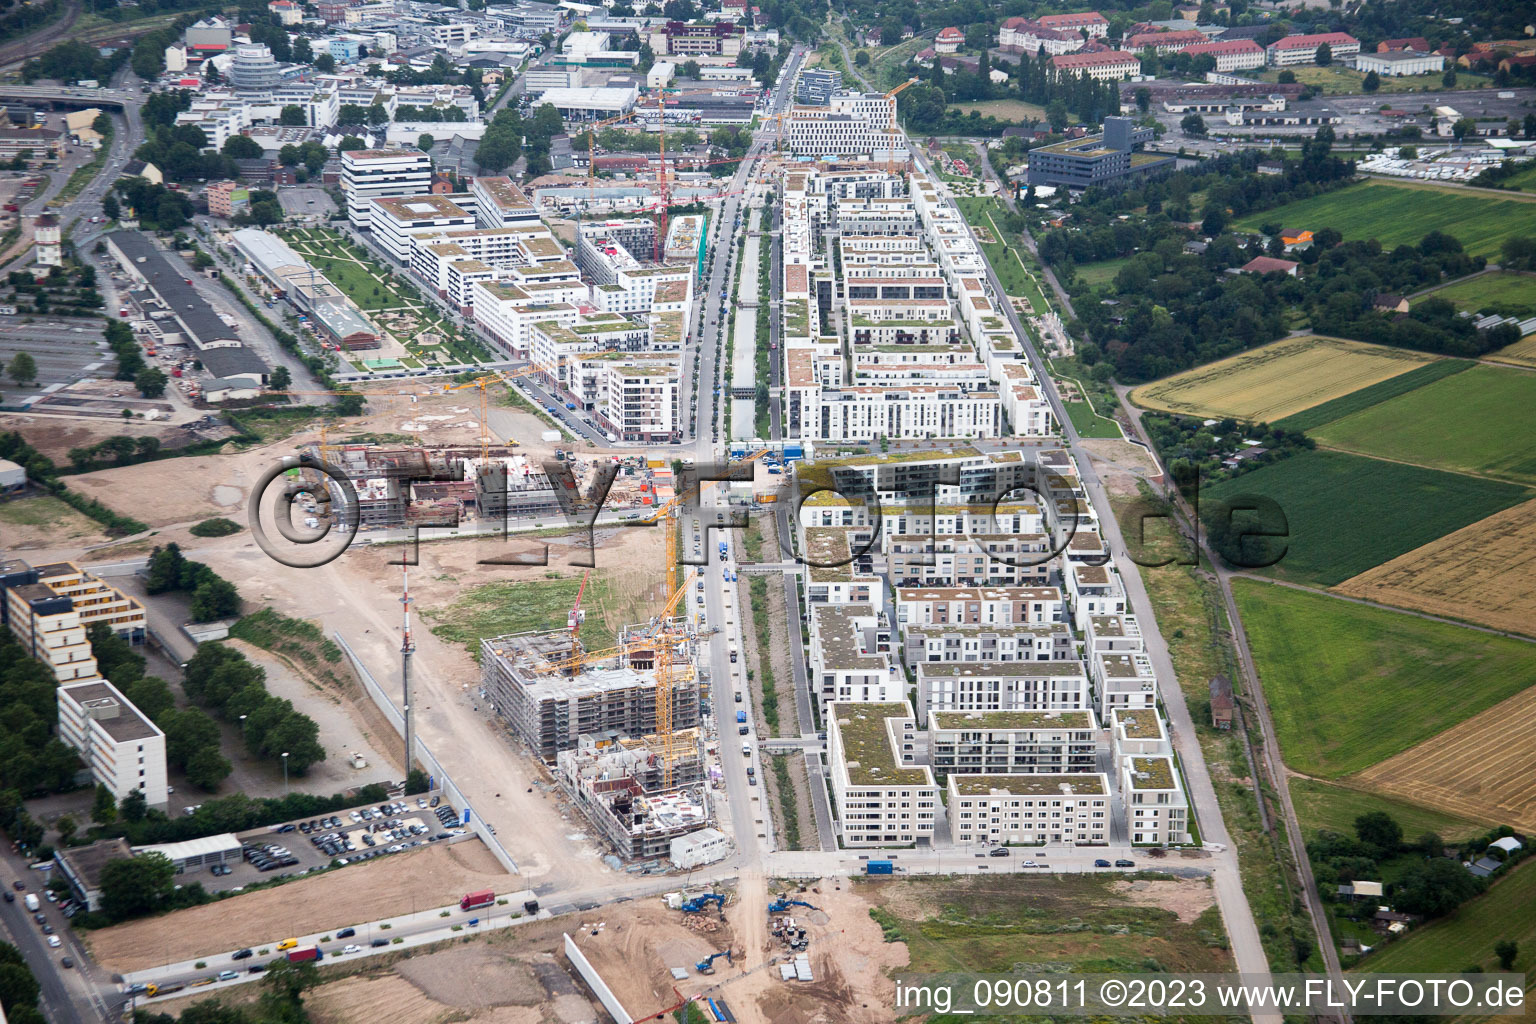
[1101, 863]
[1001, 851]
[1125, 863]
[241, 954]
[346, 933]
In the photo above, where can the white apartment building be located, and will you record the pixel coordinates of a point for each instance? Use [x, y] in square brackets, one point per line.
[838, 572]
[883, 799]
[1293, 50]
[1231, 55]
[854, 124]
[1124, 680]
[978, 605]
[527, 246]
[394, 219]
[1012, 742]
[124, 750]
[554, 347]
[1021, 35]
[640, 399]
[1003, 686]
[1051, 641]
[1092, 590]
[500, 203]
[49, 629]
[369, 174]
[1029, 810]
[1101, 66]
[981, 559]
[1092, 22]
[508, 312]
[866, 413]
[1112, 634]
[847, 664]
[1156, 808]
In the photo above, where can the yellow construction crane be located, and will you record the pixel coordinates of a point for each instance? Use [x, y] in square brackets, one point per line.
[480, 384]
[895, 128]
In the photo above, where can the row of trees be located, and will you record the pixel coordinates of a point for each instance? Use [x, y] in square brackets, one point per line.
[41, 471]
[220, 678]
[158, 208]
[33, 761]
[73, 60]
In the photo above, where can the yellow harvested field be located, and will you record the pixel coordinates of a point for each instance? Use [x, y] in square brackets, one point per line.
[1277, 380]
[1483, 769]
[1483, 573]
[1521, 353]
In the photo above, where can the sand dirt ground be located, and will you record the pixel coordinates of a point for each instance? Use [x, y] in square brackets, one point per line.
[420, 880]
[1187, 901]
[1121, 464]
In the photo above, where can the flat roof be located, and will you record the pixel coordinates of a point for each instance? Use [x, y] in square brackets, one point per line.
[1000, 721]
[839, 637]
[1139, 724]
[1152, 772]
[1010, 669]
[1075, 784]
[418, 208]
[126, 725]
[867, 754]
[505, 193]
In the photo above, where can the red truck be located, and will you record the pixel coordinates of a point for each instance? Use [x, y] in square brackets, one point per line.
[12, 207]
[305, 954]
[476, 900]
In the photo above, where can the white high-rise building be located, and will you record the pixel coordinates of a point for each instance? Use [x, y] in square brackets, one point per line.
[124, 750]
[854, 124]
[369, 174]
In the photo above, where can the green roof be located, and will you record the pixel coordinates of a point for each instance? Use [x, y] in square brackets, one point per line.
[1159, 772]
[964, 451]
[867, 754]
[1141, 724]
[1080, 784]
[1000, 720]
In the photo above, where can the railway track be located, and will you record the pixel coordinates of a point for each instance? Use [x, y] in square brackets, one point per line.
[18, 50]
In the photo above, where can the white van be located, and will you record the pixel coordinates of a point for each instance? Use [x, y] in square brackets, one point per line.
[31, 902]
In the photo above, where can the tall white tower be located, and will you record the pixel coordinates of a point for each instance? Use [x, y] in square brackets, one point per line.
[48, 237]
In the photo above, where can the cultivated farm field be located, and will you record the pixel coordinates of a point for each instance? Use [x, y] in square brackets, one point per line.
[1277, 380]
[1511, 293]
[1345, 514]
[1482, 421]
[1484, 768]
[1350, 685]
[1402, 215]
[1483, 573]
[1521, 353]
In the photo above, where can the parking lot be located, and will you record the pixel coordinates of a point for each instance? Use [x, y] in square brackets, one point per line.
[306, 201]
[308, 844]
[65, 351]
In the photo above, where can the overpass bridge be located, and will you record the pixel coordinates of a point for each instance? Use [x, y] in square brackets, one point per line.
[68, 96]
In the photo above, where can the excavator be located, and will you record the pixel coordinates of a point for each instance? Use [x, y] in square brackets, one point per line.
[698, 903]
[706, 966]
[782, 904]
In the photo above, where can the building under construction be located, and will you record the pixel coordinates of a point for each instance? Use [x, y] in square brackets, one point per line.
[430, 486]
[622, 788]
[551, 702]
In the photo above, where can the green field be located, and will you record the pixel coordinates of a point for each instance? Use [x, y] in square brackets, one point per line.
[1375, 394]
[1090, 423]
[612, 599]
[1004, 110]
[1506, 911]
[1341, 80]
[1403, 215]
[1322, 805]
[986, 925]
[1349, 685]
[1508, 294]
[1345, 514]
[1102, 272]
[1524, 180]
[1482, 421]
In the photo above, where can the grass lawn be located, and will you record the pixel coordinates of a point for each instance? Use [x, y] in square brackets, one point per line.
[1481, 421]
[1322, 805]
[1345, 514]
[986, 925]
[1339, 79]
[1090, 423]
[1506, 911]
[1102, 272]
[1349, 685]
[1509, 294]
[1003, 110]
[1524, 180]
[1403, 215]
